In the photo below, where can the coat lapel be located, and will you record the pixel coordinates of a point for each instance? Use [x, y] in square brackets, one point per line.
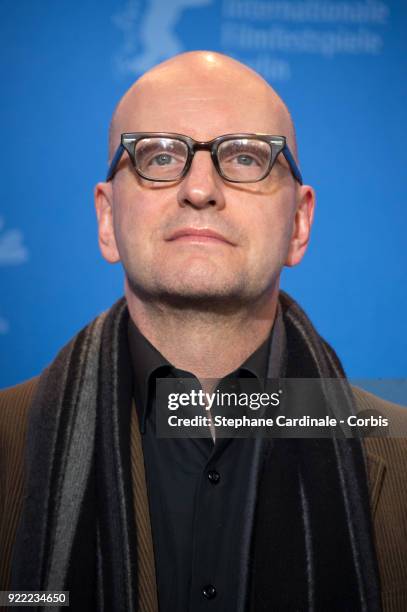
[147, 585]
[376, 470]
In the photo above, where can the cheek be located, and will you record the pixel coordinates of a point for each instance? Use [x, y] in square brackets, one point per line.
[270, 233]
[133, 224]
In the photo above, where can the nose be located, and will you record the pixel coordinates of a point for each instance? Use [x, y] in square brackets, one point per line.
[202, 187]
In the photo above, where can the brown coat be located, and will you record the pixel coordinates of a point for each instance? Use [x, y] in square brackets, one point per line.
[386, 463]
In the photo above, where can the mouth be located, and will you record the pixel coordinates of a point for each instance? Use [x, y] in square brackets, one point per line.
[202, 236]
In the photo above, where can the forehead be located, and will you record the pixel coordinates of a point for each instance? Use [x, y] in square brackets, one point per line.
[201, 108]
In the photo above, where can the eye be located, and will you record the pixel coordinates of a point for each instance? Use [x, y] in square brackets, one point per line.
[160, 158]
[163, 159]
[244, 153]
[246, 160]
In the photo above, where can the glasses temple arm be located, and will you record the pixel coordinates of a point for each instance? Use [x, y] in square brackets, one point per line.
[114, 162]
[292, 163]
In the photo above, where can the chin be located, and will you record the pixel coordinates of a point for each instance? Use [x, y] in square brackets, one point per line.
[197, 286]
[203, 280]
[196, 289]
[204, 294]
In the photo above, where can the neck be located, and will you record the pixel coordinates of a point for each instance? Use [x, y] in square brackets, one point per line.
[210, 343]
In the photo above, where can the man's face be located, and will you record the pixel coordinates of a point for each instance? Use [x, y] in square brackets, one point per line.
[158, 229]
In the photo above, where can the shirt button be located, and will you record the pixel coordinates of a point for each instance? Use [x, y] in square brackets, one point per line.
[209, 591]
[213, 476]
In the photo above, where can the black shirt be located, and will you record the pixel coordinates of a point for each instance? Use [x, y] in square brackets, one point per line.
[198, 494]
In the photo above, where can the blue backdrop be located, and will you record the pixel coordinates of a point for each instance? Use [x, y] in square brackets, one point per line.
[341, 67]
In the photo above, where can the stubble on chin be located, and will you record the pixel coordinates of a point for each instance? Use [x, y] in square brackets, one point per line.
[204, 293]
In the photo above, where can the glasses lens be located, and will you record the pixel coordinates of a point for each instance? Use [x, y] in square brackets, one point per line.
[244, 159]
[161, 158]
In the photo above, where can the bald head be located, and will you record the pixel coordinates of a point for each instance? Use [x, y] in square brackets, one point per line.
[191, 93]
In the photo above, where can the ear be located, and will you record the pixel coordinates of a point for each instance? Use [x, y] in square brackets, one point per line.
[304, 216]
[104, 212]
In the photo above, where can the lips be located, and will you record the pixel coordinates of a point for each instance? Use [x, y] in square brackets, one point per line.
[199, 235]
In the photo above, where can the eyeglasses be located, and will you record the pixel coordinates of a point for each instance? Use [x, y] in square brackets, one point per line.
[238, 158]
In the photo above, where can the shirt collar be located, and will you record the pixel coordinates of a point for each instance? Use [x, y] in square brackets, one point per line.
[148, 363]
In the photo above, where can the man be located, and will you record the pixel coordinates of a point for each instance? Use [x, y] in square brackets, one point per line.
[126, 520]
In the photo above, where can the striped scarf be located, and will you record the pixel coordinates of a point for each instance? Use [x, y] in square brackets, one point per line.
[311, 547]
